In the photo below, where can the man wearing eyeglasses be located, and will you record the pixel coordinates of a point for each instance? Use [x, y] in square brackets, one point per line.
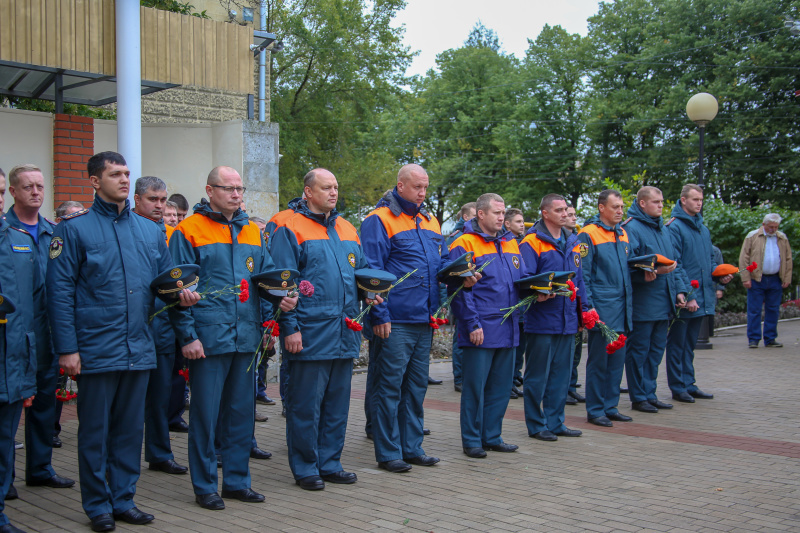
[220, 337]
[26, 185]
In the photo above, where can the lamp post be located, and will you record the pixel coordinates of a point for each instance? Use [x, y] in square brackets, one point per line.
[701, 109]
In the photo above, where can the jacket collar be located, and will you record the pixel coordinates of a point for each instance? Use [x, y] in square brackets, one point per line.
[636, 213]
[598, 222]
[109, 210]
[302, 208]
[239, 219]
[397, 205]
[471, 226]
[45, 226]
[695, 222]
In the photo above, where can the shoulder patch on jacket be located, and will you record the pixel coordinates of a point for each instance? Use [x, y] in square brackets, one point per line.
[75, 214]
[583, 248]
[626, 221]
[668, 222]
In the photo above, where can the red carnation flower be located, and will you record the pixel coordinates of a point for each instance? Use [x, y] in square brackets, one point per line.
[695, 284]
[271, 327]
[590, 319]
[185, 373]
[306, 288]
[60, 371]
[244, 285]
[752, 266]
[434, 322]
[352, 324]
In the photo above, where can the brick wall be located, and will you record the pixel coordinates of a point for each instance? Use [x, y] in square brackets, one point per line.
[73, 145]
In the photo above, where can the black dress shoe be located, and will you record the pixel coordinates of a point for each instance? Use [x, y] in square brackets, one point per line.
[571, 401]
[753, 345]
[311, 483]
[179, 427]
[773, 344]
[8, 528]
[619, 417]
[219, 461]
[247, 495]
[12, 493]
[645, 407]
[432, 381]
[258, 453]
[502, 447]
[700, 395]
[457, 387]
[134, 516]
[518, 382]
[475, 453]
[683, 397]
[103, 522]
[341, 477]
[517, 392]
[169, 467]
[566, 432]
[56, 442]
[577, 397]
[264, 399]
[55, 482]
[514, 395]
[623, 389]
[426, 431]
[545, 435]
[659, 404]
[283, 411]
[212, 501]
[395, 466]
[422, 460]
[602, 421]
[369, 436]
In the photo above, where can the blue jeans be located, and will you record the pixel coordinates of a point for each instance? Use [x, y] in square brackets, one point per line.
[681, 340]
[399, 390]
[645, 351]
[484, 400]
[768, 293]
[547, 373]
[603, 374]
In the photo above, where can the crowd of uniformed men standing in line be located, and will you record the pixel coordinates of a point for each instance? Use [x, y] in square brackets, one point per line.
[83, 302]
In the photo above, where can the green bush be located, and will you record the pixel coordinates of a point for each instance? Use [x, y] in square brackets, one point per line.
[729, 225]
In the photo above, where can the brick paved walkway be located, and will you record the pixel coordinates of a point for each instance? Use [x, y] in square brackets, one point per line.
[729, 464]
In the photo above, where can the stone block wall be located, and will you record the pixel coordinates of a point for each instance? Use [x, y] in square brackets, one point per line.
[193, 104]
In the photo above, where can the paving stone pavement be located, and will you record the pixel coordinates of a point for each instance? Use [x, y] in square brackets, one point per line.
[728, 464]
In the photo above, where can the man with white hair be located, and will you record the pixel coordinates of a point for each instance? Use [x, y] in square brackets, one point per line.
[770, 250]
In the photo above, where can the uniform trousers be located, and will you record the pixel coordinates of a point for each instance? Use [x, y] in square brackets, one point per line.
[645, 350]
[519, 357]
[487, 379]
[157, 448]
[110, 427]
[547, 372]
[317, 406]
[576, 361]
[603, 375]
[372, 373]
[222, 390]
[10, 414]
[40, 419]
[767, 293]
[399, 391]
[457, 355]
[681, 340]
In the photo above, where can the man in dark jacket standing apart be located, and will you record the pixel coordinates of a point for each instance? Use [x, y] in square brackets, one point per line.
[21, 285]
[656, 295]
[98, 299]
[26, 185]
[326, 250]
[692, 243]
[400, 236]
[488, 341]
[220, 336]
[551, 323]
[605, 249]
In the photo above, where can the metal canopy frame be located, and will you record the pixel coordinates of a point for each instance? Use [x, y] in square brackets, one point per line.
[64, 86]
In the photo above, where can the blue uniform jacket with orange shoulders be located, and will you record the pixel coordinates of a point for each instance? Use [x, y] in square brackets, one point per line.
[482, 305]
[399, 237]
[541, 253]
[228, 251]
[606, 276]
[326, 251]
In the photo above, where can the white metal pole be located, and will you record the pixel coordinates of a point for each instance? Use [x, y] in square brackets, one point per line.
[262, 70]
[129, 87]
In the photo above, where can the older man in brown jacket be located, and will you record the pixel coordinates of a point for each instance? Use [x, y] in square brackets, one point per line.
[770, 250]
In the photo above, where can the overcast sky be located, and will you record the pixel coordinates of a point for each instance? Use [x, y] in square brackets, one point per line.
[433, 26]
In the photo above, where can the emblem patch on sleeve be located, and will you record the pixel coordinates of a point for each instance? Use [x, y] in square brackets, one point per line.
[351, 258]
[515, 260]
[249, 264]
[577, 259]
[584, 249]
[56, 246]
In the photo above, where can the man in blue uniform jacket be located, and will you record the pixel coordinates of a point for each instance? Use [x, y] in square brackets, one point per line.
[102, 261]
[21, 285]
[488, 341]
[26, 185]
